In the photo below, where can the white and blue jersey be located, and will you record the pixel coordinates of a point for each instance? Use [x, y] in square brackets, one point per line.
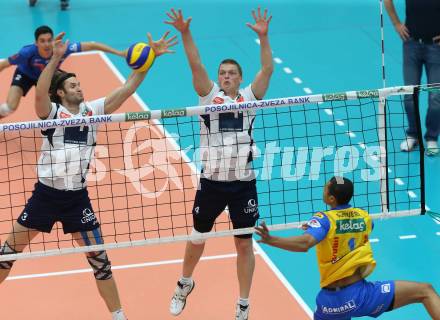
[226, 141]
[30, 63]
[66, 152]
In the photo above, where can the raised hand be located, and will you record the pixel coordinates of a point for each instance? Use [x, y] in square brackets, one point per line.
[261, 25]
[59, 47]
[263, 232]
[177, 20]
[162, 45]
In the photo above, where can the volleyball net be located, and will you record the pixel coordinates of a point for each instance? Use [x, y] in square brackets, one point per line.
[145, 168]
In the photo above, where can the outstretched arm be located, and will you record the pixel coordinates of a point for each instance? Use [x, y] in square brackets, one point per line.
[297, 243]
[261, 28]
[115, 99]
[401, 28]
[89, 46]
[42, 99]
[201, 82]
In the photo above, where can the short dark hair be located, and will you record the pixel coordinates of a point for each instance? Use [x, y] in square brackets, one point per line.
[58, 83]
[232, 61]
[341, 188]
[42, 30]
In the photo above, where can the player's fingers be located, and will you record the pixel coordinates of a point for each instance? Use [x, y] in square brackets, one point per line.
[265, 14]
[259, 12]
[165, 35]
[268, 20]
[170, 16]
[174, 13]
[254, 15]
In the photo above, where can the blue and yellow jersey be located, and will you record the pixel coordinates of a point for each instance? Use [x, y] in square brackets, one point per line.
[343, 245]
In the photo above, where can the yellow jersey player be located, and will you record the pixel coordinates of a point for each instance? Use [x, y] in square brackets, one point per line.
[345, 259]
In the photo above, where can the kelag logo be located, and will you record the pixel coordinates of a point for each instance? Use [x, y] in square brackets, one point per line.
[134, 116]
[367, 94]
[173, 113]
[334, 96]
[350, 225]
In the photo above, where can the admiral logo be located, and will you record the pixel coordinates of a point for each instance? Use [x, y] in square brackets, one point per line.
[367, 94]
[346, 307]
[350, 225]
[133, 116]
[173, 113]
[334, 96]
[196, 210]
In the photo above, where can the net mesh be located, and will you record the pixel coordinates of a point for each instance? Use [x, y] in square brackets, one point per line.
[144, 174]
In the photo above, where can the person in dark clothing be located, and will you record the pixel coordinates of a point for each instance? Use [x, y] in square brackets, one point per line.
[421, 47]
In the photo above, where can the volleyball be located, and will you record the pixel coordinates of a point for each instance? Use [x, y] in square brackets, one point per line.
[140, 57]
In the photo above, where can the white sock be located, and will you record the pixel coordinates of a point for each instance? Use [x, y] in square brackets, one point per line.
[5, 110]
[184, 280]
[118, 315]
[243, 302]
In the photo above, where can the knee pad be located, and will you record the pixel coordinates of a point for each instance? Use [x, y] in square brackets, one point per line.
[197, 241]
[5, 110]
[102, 268]
[4, 250]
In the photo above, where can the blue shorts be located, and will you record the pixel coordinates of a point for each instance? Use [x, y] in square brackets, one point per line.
[359, 299]
[48, 205]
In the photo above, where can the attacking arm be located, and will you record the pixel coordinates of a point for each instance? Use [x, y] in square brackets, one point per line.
[115, 99]
[261, 27]
[89, 46]
[201, 82]
[401, 29]
[296, 243]
[42, 100]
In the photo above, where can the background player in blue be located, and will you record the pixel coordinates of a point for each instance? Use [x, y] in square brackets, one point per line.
[60, 193]
[345, 258]
[226, 144]
[32, 59]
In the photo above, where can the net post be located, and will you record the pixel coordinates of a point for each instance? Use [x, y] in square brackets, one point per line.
[382, 133]
[415, 98]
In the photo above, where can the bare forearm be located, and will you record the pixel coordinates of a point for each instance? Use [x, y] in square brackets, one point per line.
[134, 81]
[295, 244]
[192, 53]
[266, 55]
[88, 46]
[389, 5]
[45, 78]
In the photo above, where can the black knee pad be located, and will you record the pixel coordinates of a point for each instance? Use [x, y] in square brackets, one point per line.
[102, 268]
[4, 250]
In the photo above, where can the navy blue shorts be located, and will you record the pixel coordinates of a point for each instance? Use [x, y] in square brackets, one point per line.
[360, 299]
[23, 81]
[48, 205]
[212, 197]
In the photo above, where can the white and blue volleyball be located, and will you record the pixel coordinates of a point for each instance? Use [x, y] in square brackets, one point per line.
[140, 57]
